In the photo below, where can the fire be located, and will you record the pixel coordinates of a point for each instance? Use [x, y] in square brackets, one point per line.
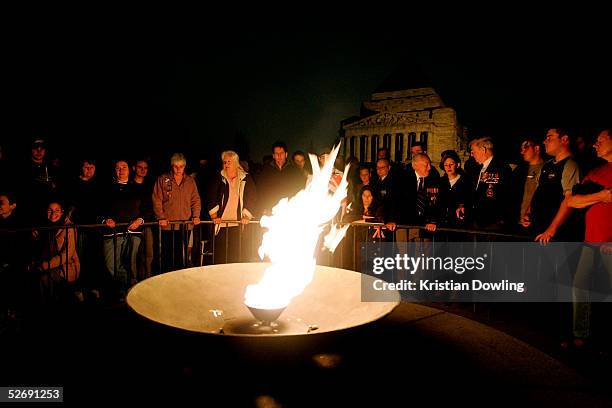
[293, 232]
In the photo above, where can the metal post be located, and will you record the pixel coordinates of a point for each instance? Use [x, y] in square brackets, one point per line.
[342, 254]
[183, 245]
[354, 229]
[66, 244]
[128, 269]
[226, 240]
[173, 246]
[115, 254]
[240, 228]
[213, 239]
[159, 247]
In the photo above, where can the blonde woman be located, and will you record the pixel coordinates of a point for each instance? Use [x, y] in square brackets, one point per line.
[232, 200]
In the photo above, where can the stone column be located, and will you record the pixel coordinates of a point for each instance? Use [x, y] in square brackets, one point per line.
[405, 137]
[347, 146]
[368, 148]
[392, 147]
[378, 144]
[357, 147]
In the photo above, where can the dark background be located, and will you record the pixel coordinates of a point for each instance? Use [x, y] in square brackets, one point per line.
[134, 89]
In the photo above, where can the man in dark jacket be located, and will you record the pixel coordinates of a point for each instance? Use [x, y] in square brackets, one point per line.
[422, 197]
[388, 192]
[39, 181]
[490, 204]
[278, 179]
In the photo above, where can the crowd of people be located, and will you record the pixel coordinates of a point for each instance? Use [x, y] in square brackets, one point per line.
[560, 191]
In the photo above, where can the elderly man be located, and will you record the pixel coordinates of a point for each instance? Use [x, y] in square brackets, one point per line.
[175, 198]
[424, 196]
[490, 198]
[387, 192]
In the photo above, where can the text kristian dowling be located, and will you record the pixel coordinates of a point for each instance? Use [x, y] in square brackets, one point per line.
[436, 285]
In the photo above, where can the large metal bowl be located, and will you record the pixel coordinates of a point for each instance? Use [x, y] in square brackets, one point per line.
[210, 299]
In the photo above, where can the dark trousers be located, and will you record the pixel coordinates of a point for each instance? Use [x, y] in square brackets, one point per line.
[234, 244]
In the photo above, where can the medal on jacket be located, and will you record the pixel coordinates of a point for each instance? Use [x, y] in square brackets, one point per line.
[490, 179]
[432, 192]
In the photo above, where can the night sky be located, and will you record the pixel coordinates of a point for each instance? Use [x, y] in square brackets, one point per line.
[112, 92]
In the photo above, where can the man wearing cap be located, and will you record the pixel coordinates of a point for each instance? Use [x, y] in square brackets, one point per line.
[40, 181]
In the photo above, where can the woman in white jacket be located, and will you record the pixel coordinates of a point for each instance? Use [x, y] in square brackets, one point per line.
[232, 200]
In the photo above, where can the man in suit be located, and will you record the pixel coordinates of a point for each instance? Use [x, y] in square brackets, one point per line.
[388, 193]
[422, 198]
[491, 205]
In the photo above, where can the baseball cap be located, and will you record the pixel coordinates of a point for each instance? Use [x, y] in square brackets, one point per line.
[38, 142]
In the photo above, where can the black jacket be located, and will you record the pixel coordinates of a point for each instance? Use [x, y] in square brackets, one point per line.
[432, 210]
[122, 203]
[451, 197]
[491, 203]
[391, 196]
[274, 183]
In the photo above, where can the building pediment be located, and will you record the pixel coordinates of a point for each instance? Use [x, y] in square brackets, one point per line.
[405, 104]
[385, 119]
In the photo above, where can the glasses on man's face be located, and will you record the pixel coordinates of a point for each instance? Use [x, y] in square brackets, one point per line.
[381, 167]
[50, 211]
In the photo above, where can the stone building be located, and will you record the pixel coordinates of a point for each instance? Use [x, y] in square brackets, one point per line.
[398, 119]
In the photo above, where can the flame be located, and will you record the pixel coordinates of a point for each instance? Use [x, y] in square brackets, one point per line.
[293, 232]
